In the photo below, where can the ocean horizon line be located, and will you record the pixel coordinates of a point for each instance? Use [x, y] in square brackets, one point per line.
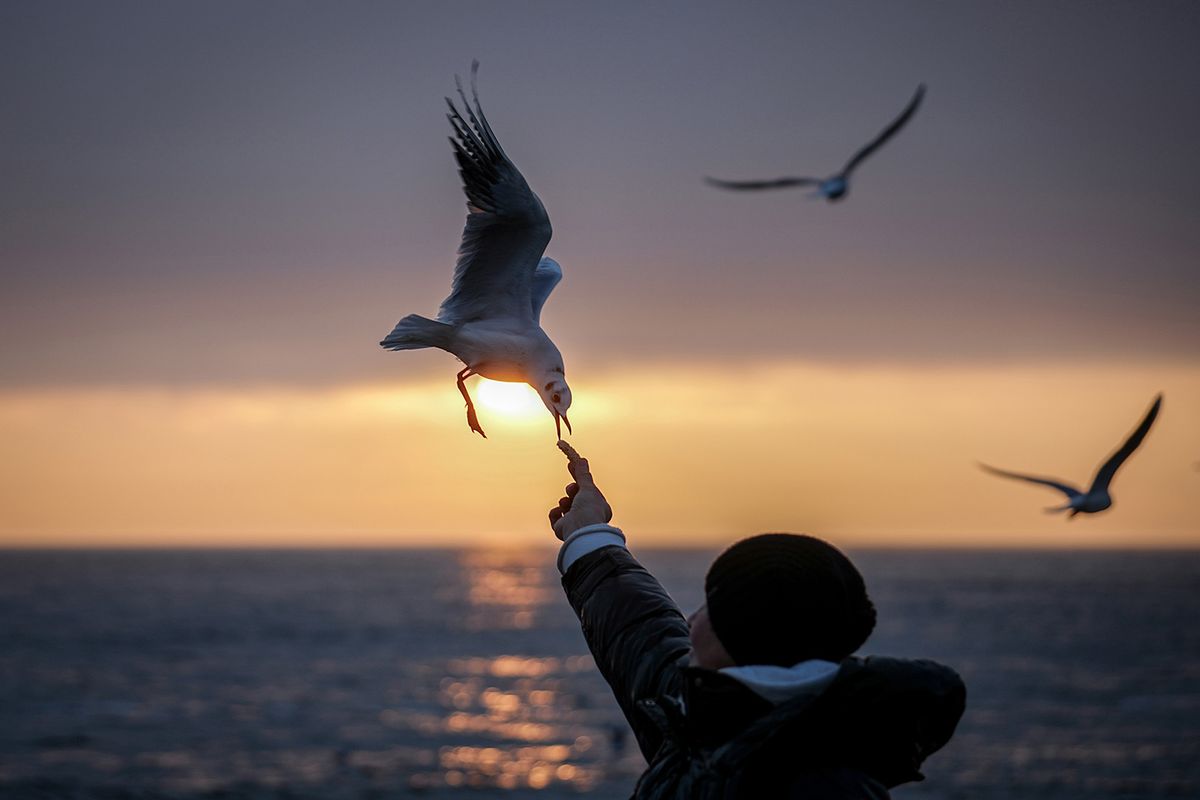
[551, 547]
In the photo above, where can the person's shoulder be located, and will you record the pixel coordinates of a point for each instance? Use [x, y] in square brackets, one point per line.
[890, 714]
[900, 677]
[870, 730]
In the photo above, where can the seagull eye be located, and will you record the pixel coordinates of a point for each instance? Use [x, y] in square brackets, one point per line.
[557, 398]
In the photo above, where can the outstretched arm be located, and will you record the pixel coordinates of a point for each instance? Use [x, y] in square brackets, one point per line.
[636, 632]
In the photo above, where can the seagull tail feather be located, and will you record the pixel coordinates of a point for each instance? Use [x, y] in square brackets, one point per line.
[414, 332]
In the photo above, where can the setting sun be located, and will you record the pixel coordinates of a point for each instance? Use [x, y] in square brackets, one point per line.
[511, 400]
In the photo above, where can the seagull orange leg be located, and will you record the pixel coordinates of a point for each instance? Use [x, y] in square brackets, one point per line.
[472, 418]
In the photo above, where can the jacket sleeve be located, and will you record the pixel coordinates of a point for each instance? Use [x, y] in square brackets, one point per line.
[637, 635]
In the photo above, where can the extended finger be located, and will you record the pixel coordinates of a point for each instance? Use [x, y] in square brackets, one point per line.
[581, 472]
[577, 464]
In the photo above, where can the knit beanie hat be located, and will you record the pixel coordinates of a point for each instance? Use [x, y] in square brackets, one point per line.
[781, 598]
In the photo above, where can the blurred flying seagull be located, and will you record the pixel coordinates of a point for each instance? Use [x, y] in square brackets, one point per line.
[1096, 498]
[490, 321]
[834, 187]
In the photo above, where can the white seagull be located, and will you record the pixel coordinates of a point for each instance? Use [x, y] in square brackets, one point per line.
[490, 321]
[834, 187]
[1096, 498]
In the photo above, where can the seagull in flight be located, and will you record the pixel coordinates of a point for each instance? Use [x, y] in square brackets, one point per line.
[1096, 498]
[491, 319]
[834, 187]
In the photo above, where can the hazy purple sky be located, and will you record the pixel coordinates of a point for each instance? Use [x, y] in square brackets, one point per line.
[231, 193]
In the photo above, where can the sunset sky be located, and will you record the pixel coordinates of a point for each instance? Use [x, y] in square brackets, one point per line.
[210, 213]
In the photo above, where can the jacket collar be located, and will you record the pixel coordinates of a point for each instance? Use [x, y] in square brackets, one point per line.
[780, 684]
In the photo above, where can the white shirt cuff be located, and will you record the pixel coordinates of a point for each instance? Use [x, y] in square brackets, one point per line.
[587, 539]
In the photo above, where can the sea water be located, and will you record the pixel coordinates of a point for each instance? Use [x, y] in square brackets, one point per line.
[406, 673]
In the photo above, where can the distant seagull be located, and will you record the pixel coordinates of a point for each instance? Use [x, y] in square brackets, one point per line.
[1097, 497]
[490, 321]
[834, 187]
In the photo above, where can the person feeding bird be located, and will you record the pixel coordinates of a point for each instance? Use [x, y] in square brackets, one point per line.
[491, 319]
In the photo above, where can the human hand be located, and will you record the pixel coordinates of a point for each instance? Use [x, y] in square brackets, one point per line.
[584, 503]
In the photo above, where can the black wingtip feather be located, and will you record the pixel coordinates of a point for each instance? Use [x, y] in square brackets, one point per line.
[482, 162]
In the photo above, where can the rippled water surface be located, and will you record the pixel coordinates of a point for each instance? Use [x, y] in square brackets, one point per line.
[379, 674]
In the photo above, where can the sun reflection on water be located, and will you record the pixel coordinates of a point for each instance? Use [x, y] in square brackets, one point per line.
[505, 588]
[532, 767]
[517, 724]
[513, 721]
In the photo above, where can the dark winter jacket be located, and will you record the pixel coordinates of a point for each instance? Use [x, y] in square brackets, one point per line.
[705, 735]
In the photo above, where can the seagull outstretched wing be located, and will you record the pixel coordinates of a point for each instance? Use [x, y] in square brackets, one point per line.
[777, 183]
[1069, 491]
[507, 227]
[1105, 474]
[888, 132]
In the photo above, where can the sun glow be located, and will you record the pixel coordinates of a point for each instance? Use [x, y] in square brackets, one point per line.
[867, 456]
[513, 400]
